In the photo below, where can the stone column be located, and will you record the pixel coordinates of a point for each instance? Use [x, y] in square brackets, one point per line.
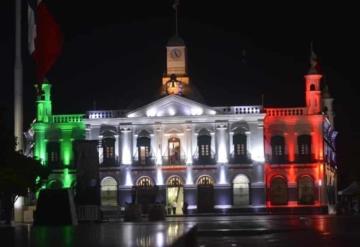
[158, 145]
[100, 149]
[189, 150]
[126, 145]
[231, 143]
[117, 148]
[221, 141]
[134, 153]
[213, 144]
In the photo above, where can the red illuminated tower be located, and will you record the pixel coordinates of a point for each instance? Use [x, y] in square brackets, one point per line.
[313, 89]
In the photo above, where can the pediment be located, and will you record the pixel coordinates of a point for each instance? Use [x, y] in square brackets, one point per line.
[172, 105]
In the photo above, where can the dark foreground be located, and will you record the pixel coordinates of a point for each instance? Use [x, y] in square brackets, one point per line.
[210, 231]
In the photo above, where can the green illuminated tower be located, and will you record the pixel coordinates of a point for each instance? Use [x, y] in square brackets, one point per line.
[54, 137]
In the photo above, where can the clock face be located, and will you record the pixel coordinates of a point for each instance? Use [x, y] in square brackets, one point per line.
[176, 53]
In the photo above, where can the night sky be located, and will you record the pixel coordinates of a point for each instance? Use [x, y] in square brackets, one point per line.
[114, 57]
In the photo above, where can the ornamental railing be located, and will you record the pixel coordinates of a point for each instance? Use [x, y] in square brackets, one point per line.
[253, 109]
[68, 118]
[275, 112]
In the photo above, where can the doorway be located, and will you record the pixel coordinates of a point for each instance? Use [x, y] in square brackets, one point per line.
[174, 151]
[175, 196]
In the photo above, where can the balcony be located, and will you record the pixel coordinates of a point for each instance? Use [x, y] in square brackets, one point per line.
[173, 161]
[149, 161]
[284, 159]
[301, 158]
[278, 159]
[240, 159]
[204, 160]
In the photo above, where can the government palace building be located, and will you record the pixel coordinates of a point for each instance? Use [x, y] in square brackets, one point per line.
[179, 151]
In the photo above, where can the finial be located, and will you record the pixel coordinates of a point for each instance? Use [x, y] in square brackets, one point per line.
[175, 7]
[314, 61]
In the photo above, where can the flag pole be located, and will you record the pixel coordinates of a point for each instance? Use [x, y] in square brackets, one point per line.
[18, 78]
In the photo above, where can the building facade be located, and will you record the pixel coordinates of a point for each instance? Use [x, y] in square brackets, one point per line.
[178, 151]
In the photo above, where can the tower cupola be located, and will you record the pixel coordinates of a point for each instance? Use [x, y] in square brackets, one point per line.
[312, 83]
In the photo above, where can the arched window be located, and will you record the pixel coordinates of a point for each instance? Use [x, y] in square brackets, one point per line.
[108, 144]
[144, 182]
[241, 190]
[204, 146]
[304, 148]
[205, 180]
[240, 150]
[306, 193]
[53, 158]
[312, 87]
[109, 192]
[278, 191]
[175, 181]
[143, 145]
[278, 149]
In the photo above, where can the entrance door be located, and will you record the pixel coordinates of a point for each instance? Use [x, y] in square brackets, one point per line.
[205, 194]
[174, 151]
[175, 195]
[241, 191]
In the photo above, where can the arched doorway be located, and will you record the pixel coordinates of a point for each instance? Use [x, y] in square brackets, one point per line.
[175, 195]
[145, 192]
[306, 193]
[174, 151]
[205, 194]
[241, 191]
[109, 192]
[278, 191]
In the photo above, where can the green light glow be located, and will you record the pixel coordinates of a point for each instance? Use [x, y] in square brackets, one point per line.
[67, 178]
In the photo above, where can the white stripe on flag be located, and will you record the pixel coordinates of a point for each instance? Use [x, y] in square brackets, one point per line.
[32, 25]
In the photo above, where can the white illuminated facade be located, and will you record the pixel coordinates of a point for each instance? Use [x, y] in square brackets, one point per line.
[176, 138]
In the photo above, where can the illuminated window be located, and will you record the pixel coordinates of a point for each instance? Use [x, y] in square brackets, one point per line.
[144, 182]
[109, 150]
[53, 150]
[205, 180]
[204, 146]
[143, 145]
[278, 149]
[174, 151]
[240, 152]
[304, 148]
[175, 181]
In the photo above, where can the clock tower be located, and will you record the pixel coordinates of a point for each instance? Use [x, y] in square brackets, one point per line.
[176, 57]
[175, 80]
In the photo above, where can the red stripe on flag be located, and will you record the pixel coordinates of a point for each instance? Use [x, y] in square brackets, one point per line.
[48, 41]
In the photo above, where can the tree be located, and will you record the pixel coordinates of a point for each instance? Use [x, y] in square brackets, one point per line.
[18, 173]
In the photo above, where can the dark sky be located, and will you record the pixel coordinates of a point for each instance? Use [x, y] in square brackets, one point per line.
[114, 55]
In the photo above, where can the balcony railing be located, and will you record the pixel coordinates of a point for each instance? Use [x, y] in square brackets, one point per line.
[284, 159]
[276, 112]
[173, 161]
[149, 161]
[69, 118]
[300, 158]
[278, 159]
[240, 159]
